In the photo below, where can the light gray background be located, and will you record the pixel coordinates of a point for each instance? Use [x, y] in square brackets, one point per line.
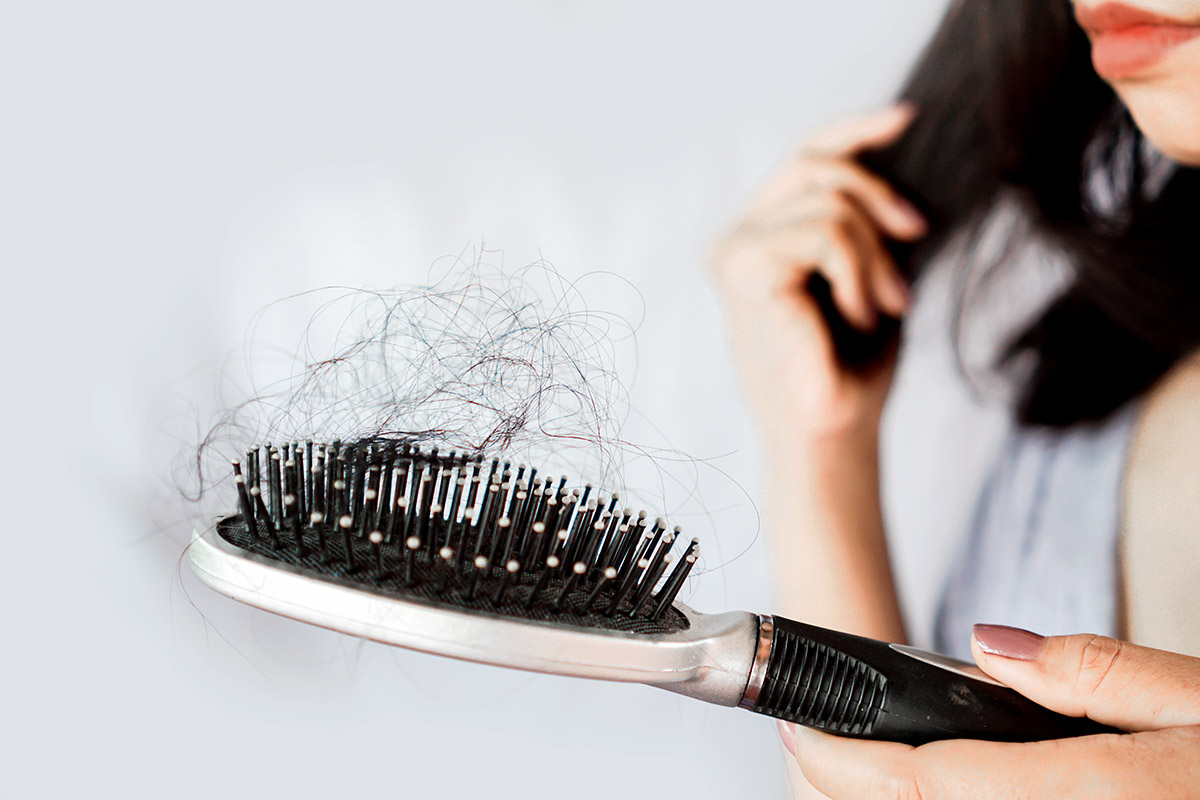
[170, 169]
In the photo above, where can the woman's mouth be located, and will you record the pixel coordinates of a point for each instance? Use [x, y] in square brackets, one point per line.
[1127, 40]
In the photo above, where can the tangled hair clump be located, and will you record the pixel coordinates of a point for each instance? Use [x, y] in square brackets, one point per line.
[480, 359]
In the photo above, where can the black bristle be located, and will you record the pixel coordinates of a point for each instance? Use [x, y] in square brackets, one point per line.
[445, 569]
[294, 522]
[366, 515]
[454, 529]
[412, 547]
[647, 583]
[481, 568]
[345, 523]
[606, 578]
[261, 514]
[274, 464]
[309, 477]
[658, 565]
[578, 569]
[375, 538]
[674, 583]
[243, 496]
[510, 573]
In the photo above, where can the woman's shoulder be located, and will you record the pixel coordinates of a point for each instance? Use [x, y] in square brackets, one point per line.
[1161, 515]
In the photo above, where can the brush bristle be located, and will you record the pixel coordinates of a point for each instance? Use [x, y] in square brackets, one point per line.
[450, 528]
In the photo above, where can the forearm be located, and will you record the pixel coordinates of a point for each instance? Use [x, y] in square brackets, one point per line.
[825, 528]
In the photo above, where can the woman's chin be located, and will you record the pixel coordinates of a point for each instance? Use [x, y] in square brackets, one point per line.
[1169, 116]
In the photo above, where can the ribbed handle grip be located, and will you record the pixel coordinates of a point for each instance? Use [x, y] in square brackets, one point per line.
[860, 687]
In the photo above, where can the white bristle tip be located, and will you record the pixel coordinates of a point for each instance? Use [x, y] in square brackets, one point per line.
[346, 521]
[552, 562]
[481, 562]
[316, 518]
[539, 527]
[610, 572]
[446, 553]
[579, 568]
[289, 499]
[513, 565]
[375, 537]
[255, 491]
[412, 543]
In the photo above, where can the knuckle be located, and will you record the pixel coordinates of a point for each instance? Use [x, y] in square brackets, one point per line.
[1098, 655]
[842, 207]
[837, 231]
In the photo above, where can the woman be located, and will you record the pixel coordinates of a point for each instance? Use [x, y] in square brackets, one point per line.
[1033, 132]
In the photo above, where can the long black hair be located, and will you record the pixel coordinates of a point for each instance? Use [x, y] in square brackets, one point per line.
[1008, 103]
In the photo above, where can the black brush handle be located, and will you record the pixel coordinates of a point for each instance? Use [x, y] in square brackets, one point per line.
[868, 689]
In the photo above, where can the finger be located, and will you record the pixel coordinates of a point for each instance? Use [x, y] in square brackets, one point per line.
[849, 137]
[829, 248]
[809, 325]
[1113, 682]
[888, 286]
[1112, 765]
[874, 266]
[887, 209]
[847, 769]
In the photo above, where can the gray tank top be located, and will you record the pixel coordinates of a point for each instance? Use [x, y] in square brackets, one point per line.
[988, 521]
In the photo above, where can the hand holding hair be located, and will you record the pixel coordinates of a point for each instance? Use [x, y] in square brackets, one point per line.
[825, 216]
[1153, 693]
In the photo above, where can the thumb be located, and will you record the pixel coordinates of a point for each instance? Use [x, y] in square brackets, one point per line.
[1112, 682]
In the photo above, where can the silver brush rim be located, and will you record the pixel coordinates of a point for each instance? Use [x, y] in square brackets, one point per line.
[711, 660]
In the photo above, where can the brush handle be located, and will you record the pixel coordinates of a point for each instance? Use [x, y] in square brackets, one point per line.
[868, 689]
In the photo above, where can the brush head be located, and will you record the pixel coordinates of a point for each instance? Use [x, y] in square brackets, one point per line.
[451, 530]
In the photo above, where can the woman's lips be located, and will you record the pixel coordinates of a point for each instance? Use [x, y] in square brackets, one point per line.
[1126, 52]
[1127, 40]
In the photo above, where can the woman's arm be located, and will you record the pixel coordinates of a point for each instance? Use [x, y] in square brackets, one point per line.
[1160, 538]
[819, 420]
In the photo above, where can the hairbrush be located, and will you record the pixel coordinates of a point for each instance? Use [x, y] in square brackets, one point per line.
[452, 555]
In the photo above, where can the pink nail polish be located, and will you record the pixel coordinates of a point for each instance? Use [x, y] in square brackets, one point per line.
[1001, 640]
[788, 734]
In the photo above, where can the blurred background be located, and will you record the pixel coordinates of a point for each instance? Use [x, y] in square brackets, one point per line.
[171, 169]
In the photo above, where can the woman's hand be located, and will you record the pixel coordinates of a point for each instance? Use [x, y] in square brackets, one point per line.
[824, 213]
[1154, 693]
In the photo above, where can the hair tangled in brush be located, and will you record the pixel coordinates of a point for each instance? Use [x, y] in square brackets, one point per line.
[480, 359]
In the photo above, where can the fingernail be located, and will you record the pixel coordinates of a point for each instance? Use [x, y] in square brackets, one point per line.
[1001, 640]
[787, 733]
